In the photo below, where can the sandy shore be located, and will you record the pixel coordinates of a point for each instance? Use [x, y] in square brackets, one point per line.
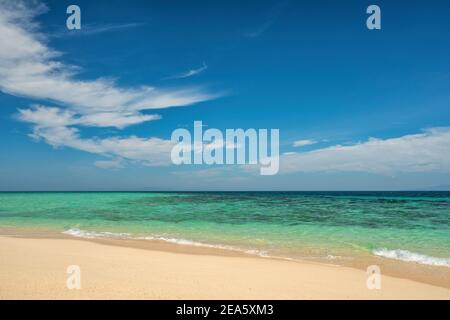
[36, 269]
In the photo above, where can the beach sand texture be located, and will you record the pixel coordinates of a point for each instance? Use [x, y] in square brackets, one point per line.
[36, 269]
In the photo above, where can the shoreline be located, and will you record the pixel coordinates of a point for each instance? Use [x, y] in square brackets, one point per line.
[35, 267]
[433, 275]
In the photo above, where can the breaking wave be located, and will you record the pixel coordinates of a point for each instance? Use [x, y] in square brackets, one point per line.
[405, 255]
[111, 235]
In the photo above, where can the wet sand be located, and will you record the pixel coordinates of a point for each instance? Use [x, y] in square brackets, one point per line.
[35, 267]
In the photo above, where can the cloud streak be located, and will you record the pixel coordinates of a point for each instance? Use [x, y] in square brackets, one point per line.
[43, 116]
[147, 151]
[274, 15]
[189, 73]
[93, 29]
[428, 151]
[302, 143]
[30, 68]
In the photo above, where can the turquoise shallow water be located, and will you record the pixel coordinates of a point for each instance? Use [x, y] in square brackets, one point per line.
[410, 226]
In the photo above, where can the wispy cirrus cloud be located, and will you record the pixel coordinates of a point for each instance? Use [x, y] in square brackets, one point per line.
[30, 68]
[189, 73]
[302, 143]
[273, 16]
[428, 151]
[424, 152]
[93, 29]
[44, 116]
[147, 151]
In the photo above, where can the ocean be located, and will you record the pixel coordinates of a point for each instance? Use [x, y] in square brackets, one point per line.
[407, 226]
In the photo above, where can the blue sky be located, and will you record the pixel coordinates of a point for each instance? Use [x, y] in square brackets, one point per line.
[93, 109]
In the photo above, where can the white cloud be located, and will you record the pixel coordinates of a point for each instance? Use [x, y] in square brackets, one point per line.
[302, 143]
[423, 152]
[44, 116]
[120, 120]
[148, 151]
[189, 73]
[28, 68]
[47, 116]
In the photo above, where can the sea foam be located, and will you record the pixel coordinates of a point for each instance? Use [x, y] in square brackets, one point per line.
[112, 235]
[398, 254]
[408, 256]
[93, 234]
